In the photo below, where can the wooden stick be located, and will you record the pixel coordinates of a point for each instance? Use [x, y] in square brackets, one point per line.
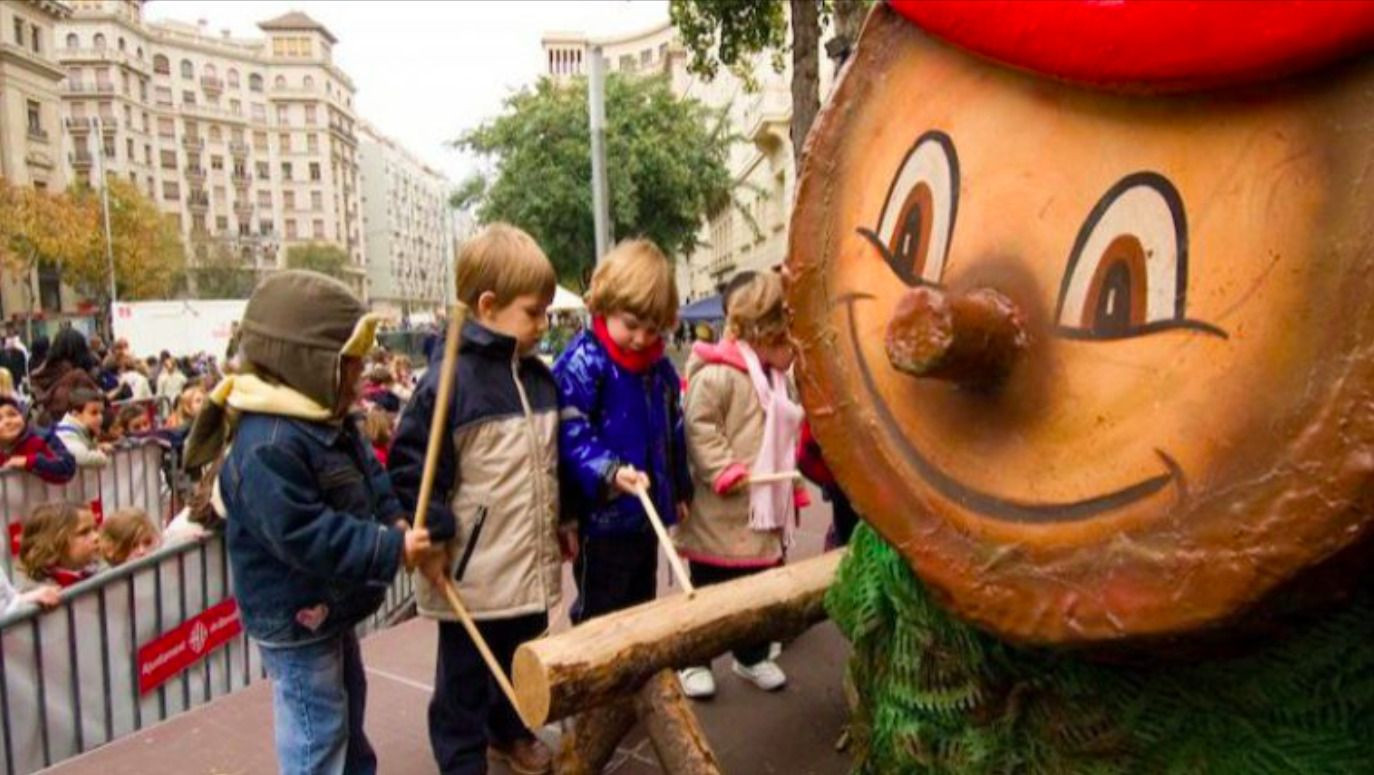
[780, 476]
[673, 728]
[437, 430]
[608, 657]
[674, 560]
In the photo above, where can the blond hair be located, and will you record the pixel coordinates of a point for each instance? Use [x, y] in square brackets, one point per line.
[47, 533]
[377, 427]
[6, 382]
[506, 261]
[635, 277]
[756, 311]
[122, 532]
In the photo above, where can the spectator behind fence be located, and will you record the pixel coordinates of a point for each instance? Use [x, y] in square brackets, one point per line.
[171, 380]
[378, 427]
[188, 405]
[66, 369]
[80, 429]
[133, 383]
[59, 545]
[403, 377]
[14, 358]
[131, 421]
[377, 390]
[127, 535]
[12, 600]
[23, 450]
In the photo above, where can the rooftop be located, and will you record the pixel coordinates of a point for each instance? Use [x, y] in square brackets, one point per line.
[297, 20]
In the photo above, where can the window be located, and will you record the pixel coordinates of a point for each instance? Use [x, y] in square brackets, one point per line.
[220, 195]
[198, 225]
[312, 143]
[106, 111]
[216, 162]
[308, 82]
[209, 70]
[283, 115]
[221, 223]
[288, 201]
[121, 44]
[279, 82]
[626, 63]
[129, 119]
[285, 167]
[148, 159]
[316, 200]
[646, 57]
[284, 142]
[260, 142]
[34, 38]
[171, 190]
[108, 146]
[254, 82]
[142, 90]
[265, 199]
[102, 78]
[265, 227]
[99, 40]
[216, 136]
[232, 78]
[314, 170]
[160, 65]
[290, 228]
[317, 228]
[73, 41]
[35, 118]
[168, 159]
[236, 107]
[139, 53]
[188, 71]
[188, 98]
[260, 113]
[165, 127]
[124, 82]
[309, 114]
[162, 96]
[129, 148]
[264, 171]
[245, 228]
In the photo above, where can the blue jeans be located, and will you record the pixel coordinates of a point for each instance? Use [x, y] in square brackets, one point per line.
[318, 695]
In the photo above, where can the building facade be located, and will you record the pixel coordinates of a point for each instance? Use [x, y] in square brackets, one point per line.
[407, 229]
[752, 232]
[250, 144]
[31, 138]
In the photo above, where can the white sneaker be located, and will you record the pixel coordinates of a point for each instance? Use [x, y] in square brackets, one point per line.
[774, 650]
[697, 682]
[766, 675]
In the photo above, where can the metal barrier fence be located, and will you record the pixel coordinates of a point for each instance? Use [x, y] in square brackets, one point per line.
[69, 677]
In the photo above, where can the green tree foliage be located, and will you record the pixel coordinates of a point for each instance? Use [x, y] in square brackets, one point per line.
[319, 257]
[665, 160]
[223, 275]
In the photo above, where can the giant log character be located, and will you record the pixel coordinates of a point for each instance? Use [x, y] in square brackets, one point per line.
[1094, 282]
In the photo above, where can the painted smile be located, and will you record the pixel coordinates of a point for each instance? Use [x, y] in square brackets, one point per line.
[989, 504]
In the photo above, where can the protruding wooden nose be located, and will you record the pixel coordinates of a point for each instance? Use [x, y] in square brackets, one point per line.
[971, 338]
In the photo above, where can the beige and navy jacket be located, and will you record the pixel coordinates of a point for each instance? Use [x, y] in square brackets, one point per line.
[496, 485]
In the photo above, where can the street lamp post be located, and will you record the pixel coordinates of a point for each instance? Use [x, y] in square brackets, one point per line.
[99, 136]
[596, 106]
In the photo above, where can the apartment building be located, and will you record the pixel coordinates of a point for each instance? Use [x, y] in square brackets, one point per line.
[31, 138]
[249, 143]
[752, 233]
[407, 228]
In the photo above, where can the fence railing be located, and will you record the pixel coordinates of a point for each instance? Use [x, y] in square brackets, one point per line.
[70, 677]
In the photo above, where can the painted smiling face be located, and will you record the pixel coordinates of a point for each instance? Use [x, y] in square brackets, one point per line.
[1111, 357]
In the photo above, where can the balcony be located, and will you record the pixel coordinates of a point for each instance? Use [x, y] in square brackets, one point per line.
[79, 123]
[38, 133]
[243, 209]
[109, 125]
[241, 180]
[198, 200]
[195, 174]
[211, 83]
[192, 143]
[238, 148]
[81, 158]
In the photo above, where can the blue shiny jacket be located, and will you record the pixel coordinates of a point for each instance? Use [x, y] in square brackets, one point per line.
[309, 527]
[610, 417]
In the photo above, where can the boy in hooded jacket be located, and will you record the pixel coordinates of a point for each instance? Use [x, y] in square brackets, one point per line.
[622, 429]
[311, 516]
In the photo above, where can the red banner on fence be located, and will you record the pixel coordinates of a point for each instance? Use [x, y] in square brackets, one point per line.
[182, 647]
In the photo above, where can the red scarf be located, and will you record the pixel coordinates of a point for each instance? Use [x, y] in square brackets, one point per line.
[634, 361]
[64, 578]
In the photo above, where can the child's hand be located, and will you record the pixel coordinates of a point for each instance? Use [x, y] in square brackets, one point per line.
[106, 447]
[567, 542]
[45, 597]
[434, 566]
[16, 463]
[630, 481]
[417, 543]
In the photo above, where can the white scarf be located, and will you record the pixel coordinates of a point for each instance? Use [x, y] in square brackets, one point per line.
[771, 505]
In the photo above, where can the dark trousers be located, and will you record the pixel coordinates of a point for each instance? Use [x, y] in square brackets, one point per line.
[704, 575]
[844, 518]
[614, 572]
[468, 710]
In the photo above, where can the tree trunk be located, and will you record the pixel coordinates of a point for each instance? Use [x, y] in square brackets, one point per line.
[592, 741]
[678, 739]
[849, 19]
[806, 74]
[612, 656]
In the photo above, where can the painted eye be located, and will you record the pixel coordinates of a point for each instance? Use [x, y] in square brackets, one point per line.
[914, 230]
[1128, 272]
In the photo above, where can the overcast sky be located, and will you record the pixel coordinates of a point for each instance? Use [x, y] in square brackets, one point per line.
[425, 71]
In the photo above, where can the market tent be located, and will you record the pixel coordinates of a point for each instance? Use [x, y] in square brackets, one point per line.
[706, 309]
[565, 300]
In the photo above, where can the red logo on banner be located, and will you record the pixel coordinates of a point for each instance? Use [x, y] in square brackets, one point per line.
[188, 642]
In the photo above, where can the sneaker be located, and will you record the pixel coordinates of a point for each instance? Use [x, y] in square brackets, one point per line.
[774, 650]
[697, 682]
[766, 675]
[526, 756]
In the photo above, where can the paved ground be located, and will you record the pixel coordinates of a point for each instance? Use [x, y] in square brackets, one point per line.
[792, 731]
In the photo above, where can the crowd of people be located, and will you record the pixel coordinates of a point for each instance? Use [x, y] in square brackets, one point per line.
[309, 449]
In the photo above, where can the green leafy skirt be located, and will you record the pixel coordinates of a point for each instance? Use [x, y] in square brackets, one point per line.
[932, 694]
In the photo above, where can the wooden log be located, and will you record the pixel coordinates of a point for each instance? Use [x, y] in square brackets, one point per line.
[971, 338]
[612, 656]
[673, 729]
[589, 745]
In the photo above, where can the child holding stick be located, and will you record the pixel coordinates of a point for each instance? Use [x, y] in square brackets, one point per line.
[495, 502]
[622, 429]
[742, 425]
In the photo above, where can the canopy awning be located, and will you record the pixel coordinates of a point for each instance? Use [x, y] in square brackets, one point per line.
[565, 300]
[708, 308]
